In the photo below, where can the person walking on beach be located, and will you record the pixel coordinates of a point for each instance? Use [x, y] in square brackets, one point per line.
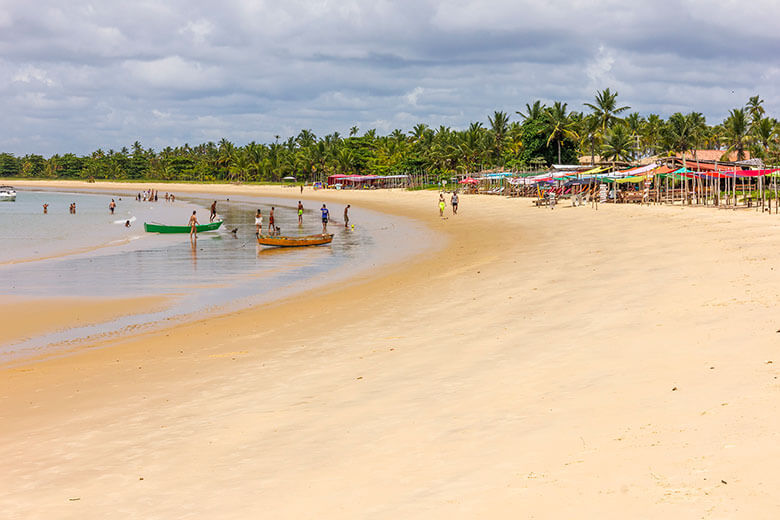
[258, 222]
[442, 204]
[301, 188]
[454, 202]
[271, 228]
[300, 213]
[45, 208]
[213, 212]
[112, 206]
[346, 216]
[325, 218]
[193, 225]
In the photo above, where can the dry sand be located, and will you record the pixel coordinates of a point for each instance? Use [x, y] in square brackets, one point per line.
[619, 363]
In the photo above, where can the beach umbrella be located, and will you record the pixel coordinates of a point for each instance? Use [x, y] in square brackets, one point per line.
[469, 180]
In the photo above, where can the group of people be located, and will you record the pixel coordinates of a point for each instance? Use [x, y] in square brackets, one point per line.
[152, 196]
[453, 203]
[71, 208]
[273, 229]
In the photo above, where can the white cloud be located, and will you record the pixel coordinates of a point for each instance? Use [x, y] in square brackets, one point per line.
[105, 74]
[30, 74]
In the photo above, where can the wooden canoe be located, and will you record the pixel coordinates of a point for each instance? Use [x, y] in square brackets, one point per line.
[283, 241]
[162, 228]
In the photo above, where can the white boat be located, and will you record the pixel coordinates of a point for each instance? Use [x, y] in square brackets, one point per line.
[7, 193]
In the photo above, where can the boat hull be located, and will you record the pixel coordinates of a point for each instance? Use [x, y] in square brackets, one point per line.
[161, 228]
[283, 241]
[7, 193]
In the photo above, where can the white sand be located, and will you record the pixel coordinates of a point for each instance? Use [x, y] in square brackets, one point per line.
[527, 370]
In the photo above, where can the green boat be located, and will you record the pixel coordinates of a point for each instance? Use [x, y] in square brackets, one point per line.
[162, 228]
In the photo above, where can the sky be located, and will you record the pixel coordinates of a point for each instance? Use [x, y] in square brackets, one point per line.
[78, 76]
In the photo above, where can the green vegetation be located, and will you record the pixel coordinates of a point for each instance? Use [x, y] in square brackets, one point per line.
[543, 135]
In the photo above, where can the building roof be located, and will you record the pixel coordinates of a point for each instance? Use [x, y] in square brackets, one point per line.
[713, 155]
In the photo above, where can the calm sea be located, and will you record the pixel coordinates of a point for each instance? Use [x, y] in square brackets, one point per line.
[93, 254]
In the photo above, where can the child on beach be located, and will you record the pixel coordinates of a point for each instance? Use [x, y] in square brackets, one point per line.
[300, 213]
[271, 227]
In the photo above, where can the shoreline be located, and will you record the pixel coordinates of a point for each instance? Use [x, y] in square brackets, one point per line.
[317, 282]
[538, 355]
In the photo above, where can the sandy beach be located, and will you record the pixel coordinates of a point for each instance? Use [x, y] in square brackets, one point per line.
[619, 362]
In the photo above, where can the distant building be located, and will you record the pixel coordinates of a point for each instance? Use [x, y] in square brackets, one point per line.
[714, 155]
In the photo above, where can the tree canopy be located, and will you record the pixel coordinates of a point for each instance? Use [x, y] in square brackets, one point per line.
[541, 135]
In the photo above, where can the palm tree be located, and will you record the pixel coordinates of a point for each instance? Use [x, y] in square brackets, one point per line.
[606, 109]
[535, 111]
[499, 125]
[698, 126]
[764, 132]
[679, 135]
[737, 132]
[353, 131]
[754, 108]
[651, 133]
[590, 129]
[618, 144]
[558, 125]
[418, 131]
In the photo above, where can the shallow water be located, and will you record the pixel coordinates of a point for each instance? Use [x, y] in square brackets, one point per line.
[218, 272]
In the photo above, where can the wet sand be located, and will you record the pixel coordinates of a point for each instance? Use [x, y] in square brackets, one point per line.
[26, 317]
[543, 364]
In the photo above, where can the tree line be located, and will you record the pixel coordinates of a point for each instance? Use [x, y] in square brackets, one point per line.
[540, 135]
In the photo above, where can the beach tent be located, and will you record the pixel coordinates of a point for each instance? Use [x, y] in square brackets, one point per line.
[469, 180]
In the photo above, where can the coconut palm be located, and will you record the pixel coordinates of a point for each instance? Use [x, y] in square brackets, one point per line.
[650, 133]
[499, 125]
[535, 111]
[764, 132]
[737, 133]
[606, 109]
[618, 144]
[755, 109]
[558, 125]
[590, 131]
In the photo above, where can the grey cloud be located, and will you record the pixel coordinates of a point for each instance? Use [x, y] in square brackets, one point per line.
[103, 75]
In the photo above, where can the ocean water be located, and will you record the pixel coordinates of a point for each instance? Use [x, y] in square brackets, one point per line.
[89, 255]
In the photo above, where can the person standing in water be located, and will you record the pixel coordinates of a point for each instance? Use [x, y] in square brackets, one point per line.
[271, 228]
[112, 206]
[213, 212]
[258, 222]
[325, 218]
[193, 225]
[346, 216]
[45, 208]
[300, 213]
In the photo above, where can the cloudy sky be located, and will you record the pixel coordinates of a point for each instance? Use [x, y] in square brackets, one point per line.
[78, 75]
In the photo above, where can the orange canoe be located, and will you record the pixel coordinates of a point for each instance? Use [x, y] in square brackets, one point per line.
[283, 241]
